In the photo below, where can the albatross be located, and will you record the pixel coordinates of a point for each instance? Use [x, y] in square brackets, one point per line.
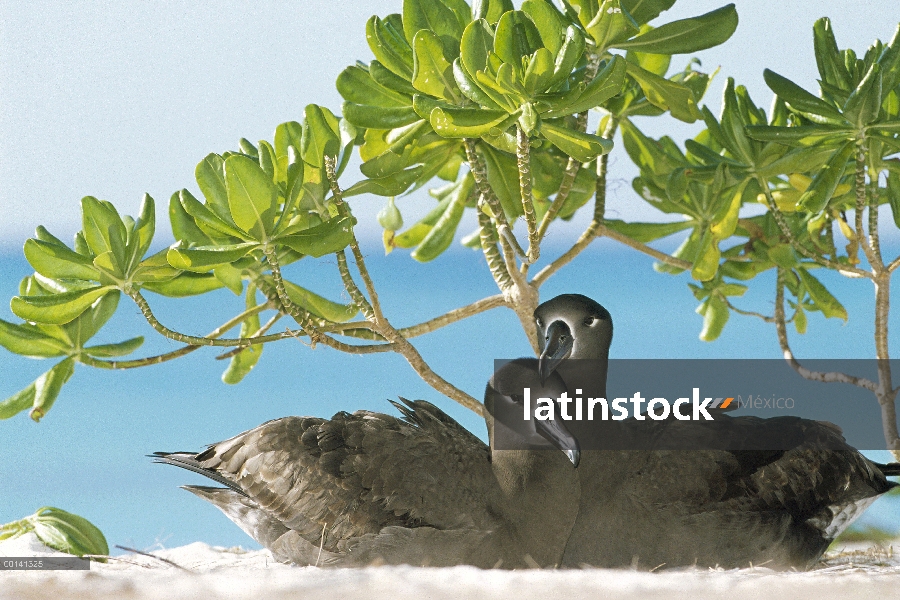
[705, 507]
[369, 488]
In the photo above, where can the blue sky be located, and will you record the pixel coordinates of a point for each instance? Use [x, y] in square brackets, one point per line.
[115, 100]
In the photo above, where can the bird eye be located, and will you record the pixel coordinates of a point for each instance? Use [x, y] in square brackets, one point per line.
[539, 322]
[590, 321]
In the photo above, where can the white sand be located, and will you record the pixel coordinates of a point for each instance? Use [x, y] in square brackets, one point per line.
[212, 573]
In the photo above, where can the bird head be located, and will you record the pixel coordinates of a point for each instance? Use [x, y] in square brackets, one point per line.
[571, 326]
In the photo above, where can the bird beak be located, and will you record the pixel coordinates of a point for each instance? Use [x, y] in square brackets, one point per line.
[557, 348]
[556, 433]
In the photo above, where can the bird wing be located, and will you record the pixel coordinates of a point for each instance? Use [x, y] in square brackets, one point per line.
[784, 463]
[356, 474]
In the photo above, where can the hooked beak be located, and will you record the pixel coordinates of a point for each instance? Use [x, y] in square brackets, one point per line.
[557, 348]
[556, 433]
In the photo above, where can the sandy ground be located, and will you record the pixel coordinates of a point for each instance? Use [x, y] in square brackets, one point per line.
[198, 571]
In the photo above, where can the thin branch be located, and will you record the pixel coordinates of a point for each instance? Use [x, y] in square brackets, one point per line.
[781, 329]
[750, 313]
[489, 241]
[192, 339]
[403, 347]
[572, 166]
[583, 242]
[304, 319]
[381, 325]
[894, 264]
[338, 195]
[845, 270]
[523, 161]
[602, 171]
[258, 333]
[488, 197]
[562, 194]
[161, 358]
[861, 204]
[453, 316]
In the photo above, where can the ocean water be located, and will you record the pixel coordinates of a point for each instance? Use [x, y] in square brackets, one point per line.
[88, 455]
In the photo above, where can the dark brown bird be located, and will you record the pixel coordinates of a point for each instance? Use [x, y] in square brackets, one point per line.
[369, 488]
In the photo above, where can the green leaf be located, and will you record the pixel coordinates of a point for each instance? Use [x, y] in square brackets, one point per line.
[470, 122]
[103, 229]
[826, 180]
[378, 117]
[243, 362]
[58, 262]
[204, 217]
[430, 15]
[715, 315]
[57, 309]
[893, 194]
[357, 85]
[644, 11]
[707, 262]
[798, 160]
[202, 259]
[801, 101]
[186, 284]
[231, 277]
[687, 35]
[252, 196]
[68, 533]
[804, 135]
[647, 232]
[550, 23]
[183, 226]
[415, 234]
[432, 73]
[144, 229]
[320, 135]
[115, 350]
[828, 57]
[389, 47]
[490, 10]
[503, 176]
[319, 306]
[28, 340]
[677, 98]
[15, 404]
[441, 235]
[86, 326]
[783, 255]
[825, 302]
[864, 104]
[389, 79]
[392, 185]
[516, 37]
[288, 135]
[604, 86]
[570, 52]
[210, 176]
[47, 387]
[327, 238]
[583, 147]
[611, 24]
[476, 45]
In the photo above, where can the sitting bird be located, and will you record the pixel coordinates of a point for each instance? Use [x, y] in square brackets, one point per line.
[709, 506]
[368, 488]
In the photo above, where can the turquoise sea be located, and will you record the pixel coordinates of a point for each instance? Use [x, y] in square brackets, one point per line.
[88, 455]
